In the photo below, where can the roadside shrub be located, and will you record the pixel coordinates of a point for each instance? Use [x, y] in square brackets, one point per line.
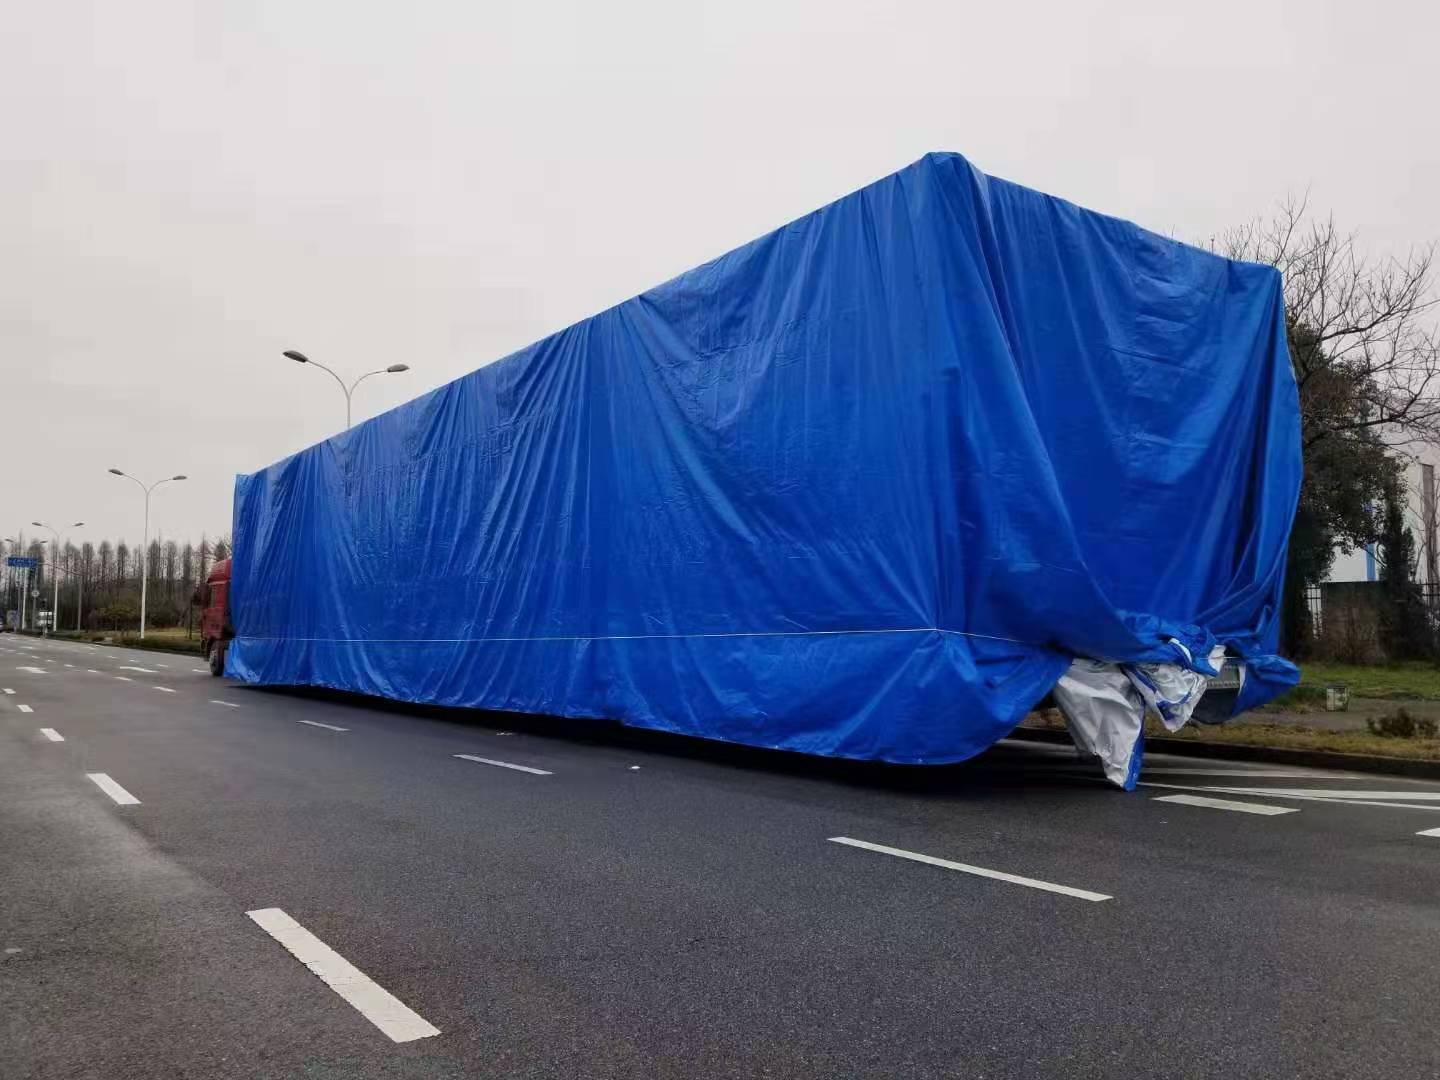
[1351, 635]
[118, 616]
[1402, 724]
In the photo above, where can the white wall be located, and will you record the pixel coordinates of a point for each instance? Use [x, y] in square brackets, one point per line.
[1351, 563]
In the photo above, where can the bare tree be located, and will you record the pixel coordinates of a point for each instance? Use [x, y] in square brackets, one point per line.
[187, 570]
[1359, 328]
[87, 583]
[69, 583]
[172, 568]
[103, 579]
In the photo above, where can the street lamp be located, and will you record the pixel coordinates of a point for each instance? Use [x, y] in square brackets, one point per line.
[301, 358]
[145, 548]
[55, 573]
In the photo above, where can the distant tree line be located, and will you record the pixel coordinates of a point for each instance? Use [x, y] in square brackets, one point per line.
[100, 583]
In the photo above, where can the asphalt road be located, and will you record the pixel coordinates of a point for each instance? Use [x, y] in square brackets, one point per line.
[643, 906]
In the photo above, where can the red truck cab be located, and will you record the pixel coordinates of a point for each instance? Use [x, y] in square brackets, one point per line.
[216, 630]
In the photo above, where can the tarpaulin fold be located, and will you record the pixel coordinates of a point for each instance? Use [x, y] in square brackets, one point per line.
[863, 487]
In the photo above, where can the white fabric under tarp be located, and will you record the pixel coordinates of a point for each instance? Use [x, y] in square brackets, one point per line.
[1104, 705]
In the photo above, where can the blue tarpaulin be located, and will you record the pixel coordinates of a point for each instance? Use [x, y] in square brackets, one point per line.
[863, 487]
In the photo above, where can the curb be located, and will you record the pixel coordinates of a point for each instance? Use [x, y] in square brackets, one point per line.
[1277, 755]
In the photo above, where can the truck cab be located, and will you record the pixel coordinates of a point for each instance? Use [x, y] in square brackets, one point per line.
[216, 630]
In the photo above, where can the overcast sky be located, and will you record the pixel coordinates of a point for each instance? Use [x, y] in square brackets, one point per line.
[191, 186]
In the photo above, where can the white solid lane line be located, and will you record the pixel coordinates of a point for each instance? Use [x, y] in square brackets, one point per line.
[227, 704]
[1331, 793]
[1428, 832]
[316, 723]
[387, 1012]
[1146, 771]
[978, 871]
[24, 708]
[51, 734]
[1303, 794]
[165, 689]
[1227, 804]
[111, 788]
[504, 764]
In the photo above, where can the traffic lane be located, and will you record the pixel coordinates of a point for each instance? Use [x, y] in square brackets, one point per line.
[78, 690]
[1003, 781]
[114, 659]
[611, 856]
[999, 797]
[992, 782]
[120, 963]
[541, 1018]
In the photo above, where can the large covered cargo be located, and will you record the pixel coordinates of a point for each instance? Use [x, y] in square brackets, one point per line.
[864, 487]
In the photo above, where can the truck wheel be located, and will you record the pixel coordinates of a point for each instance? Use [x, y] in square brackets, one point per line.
[217, 658]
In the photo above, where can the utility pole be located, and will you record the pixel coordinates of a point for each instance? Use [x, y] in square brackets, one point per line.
[1432, 558]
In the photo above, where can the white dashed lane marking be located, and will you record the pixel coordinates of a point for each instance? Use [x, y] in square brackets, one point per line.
[978, 871]
[163, 689]
[1227, 804]
[316, 723]
[24, 708]
[111, 788]
[227, 704]
[501, 764]
[51, 734]
[124, 678]
[374, 1002]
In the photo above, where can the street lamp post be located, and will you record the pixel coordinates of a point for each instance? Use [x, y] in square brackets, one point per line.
[145, 548]
[301, 358]
[55, 573]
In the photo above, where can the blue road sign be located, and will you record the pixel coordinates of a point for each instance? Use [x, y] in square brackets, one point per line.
[23, 562]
